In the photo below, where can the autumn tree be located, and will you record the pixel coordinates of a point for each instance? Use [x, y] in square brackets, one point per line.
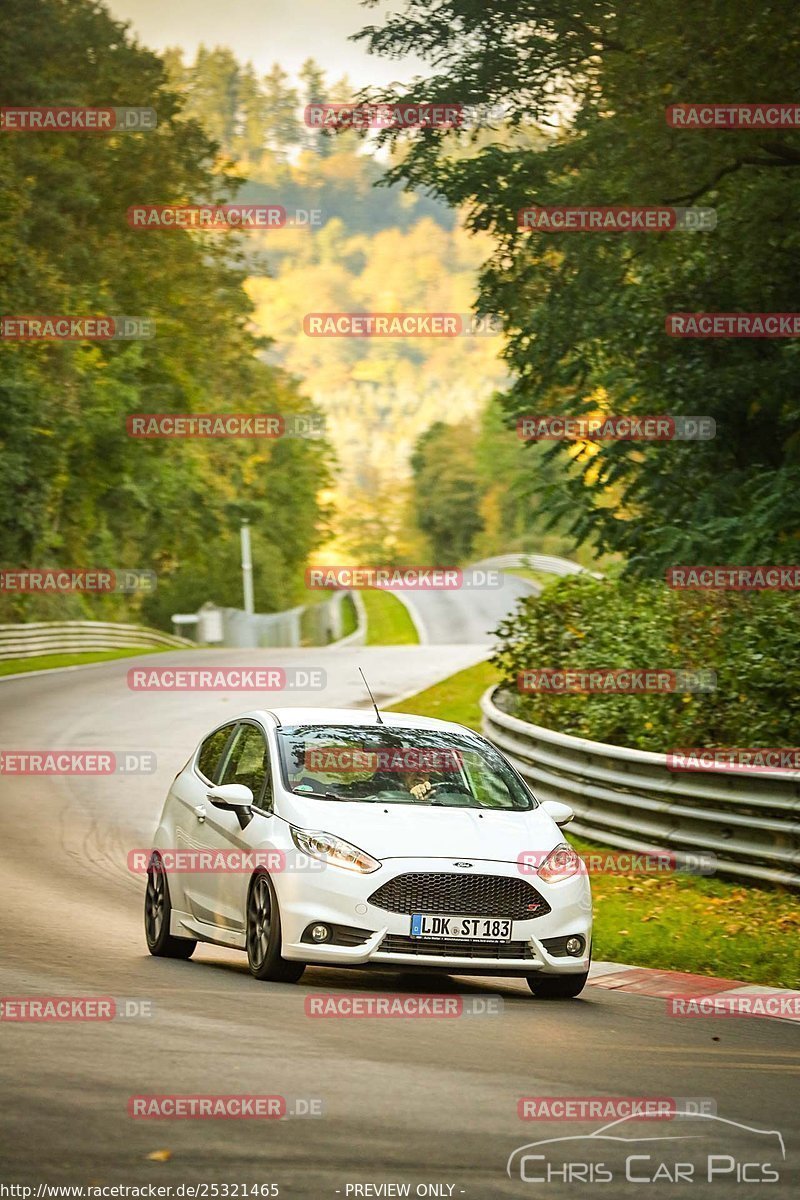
[585, 86]
[75, 489]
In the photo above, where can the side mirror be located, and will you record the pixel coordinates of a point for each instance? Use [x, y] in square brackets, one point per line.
[233, 797]
[562, 814]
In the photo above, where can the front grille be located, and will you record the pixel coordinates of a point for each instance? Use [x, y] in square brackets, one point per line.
[461, 895]
[453, 948]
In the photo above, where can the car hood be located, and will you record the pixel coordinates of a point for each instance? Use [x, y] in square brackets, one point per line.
[400, 831]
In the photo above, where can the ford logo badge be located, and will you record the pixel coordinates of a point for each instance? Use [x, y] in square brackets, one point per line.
[462, 864]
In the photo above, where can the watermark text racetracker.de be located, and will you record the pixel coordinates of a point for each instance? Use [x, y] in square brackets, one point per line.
[618, 218]
[401, 324]
[68, 580]
[618, 680]
[63, 328]
[566, 861]
[225, 679]
[236, 862]
[337, 116]
[223, 425]
[416, 578]
[77, 762]
[608, 428]
[607, 1108]
[357, 760]
[211, 1107]
[732, 325]
[735, 758]
[439, 114]
[65, 118]
[63, 1009]
[734, 578]
[733, 116]
[362, 1005]
[220, 218]
[737, 1004]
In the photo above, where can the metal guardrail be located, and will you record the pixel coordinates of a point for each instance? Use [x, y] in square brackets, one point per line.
[549, 564]
[35, 638]
[629, 799]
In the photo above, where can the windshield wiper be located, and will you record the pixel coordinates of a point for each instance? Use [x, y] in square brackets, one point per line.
[319, 795]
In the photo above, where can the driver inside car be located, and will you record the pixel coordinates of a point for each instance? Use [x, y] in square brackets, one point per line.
[418, 782]
[419, 785]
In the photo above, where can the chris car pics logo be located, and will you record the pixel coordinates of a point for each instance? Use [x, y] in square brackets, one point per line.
[699, 1148]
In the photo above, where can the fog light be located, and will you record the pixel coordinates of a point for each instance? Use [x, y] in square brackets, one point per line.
[320, 933]
[574, 945]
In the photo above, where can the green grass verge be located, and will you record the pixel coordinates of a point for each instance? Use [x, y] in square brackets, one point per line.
[43, 662]
[672, 922]
[313, 596]
[693, 923]
[311, 628]
[349, 617]
[454, 699]
[388, 622]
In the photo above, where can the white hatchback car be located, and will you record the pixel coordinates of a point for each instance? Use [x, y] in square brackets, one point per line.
[340, 838]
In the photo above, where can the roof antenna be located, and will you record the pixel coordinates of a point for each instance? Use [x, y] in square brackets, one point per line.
[372, 698]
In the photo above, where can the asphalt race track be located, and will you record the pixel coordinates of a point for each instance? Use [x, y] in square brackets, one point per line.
[465, 615]
[404, 1101]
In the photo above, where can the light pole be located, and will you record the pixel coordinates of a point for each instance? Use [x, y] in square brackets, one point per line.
[247, 568]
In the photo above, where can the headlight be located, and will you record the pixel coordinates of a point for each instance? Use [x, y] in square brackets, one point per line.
[335, 850]
[561, 863]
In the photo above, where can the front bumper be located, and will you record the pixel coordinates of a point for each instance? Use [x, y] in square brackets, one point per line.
[338, 897]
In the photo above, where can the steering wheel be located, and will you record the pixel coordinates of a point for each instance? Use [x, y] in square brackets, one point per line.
[442, 787]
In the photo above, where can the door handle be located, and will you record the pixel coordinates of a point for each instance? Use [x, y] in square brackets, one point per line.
[200, 813]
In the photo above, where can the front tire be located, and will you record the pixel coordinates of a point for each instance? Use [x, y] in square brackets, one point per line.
[264, 935]
[157, 914]
[557, 987]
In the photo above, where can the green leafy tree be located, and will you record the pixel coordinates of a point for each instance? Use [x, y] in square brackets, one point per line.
[580, 623]
[215, 92]
[315, 89]
[585, 87]
[446, 493]
[253, 117]
[517, 482]
[283, 129]
[75, 490]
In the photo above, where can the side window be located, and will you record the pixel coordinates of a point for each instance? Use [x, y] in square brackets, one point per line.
[211, 752]
[248, 763]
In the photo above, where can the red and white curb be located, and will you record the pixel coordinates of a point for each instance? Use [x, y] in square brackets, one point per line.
[725, 997]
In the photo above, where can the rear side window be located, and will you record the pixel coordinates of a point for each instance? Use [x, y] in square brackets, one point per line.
[211, 752]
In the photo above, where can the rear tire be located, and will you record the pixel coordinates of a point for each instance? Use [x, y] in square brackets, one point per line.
[557, 987]
[157, 914]
[264, 935]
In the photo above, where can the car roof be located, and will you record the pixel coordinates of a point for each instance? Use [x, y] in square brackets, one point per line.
[363, 717]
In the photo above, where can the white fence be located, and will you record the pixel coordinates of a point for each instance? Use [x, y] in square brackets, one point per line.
[629, 799]
[307, 624]
[77, 637]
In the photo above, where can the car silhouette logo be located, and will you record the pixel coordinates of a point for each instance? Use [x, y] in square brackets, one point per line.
[462, 864]
[614, 1132]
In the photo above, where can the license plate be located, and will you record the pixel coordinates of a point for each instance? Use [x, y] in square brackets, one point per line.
[477, 929]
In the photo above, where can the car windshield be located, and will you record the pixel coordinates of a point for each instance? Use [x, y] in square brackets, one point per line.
[391, 765]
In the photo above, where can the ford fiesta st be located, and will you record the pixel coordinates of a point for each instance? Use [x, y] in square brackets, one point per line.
[333, 837]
